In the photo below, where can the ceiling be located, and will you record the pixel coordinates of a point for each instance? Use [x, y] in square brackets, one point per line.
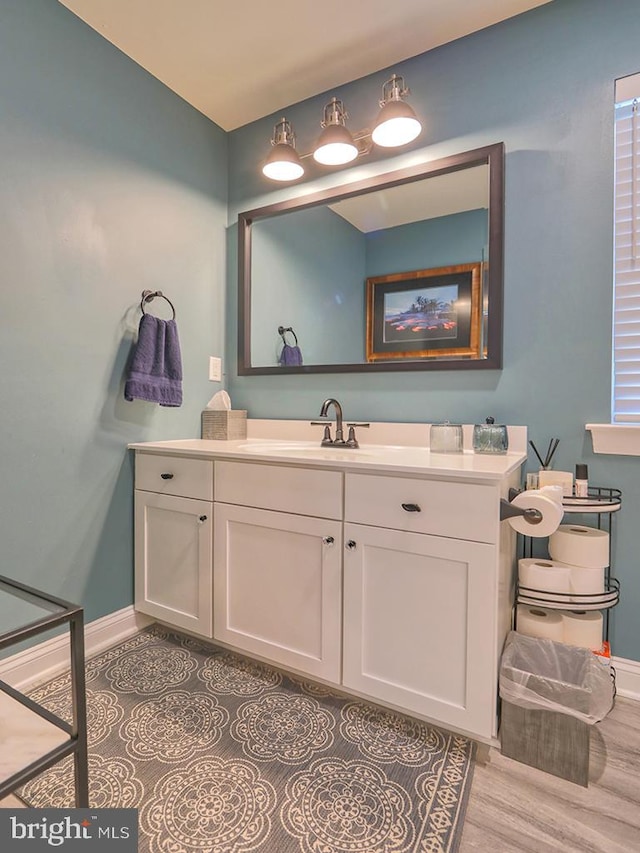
[239, 61]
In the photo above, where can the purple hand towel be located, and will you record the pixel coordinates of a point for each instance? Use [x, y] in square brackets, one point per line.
[155, 373]
[290, 356]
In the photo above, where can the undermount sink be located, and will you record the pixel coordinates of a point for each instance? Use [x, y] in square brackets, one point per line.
[309, 450]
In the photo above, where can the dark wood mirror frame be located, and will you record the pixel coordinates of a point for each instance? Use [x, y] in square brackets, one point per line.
[491, 155]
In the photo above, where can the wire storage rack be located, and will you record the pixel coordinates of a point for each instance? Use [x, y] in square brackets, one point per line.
[603, 502]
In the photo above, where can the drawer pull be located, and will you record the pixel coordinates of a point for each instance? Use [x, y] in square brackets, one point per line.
[328, 540]
[411, 508]
[167, 476]
[350, 545]
[202, 518]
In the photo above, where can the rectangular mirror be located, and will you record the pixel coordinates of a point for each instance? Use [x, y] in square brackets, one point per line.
[402, 271]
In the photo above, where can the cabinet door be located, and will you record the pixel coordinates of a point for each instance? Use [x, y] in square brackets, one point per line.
[173, 560]
[277, 590]
[420, 624]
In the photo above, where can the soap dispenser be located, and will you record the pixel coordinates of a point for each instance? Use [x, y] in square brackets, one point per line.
[490, 437]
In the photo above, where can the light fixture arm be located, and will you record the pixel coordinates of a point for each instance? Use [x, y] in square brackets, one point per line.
[283, 133]
[394, 90]
[334, 113]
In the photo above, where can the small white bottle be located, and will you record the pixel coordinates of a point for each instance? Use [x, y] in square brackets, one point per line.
[582, 481]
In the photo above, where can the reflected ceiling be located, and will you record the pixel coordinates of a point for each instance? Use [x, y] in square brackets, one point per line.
[441, 195]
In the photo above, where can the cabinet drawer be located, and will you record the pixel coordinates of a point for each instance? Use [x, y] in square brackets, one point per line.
[304, 491]
[175, 475]
[457, 510]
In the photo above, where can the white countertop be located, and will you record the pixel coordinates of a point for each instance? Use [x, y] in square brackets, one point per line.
[368, 457]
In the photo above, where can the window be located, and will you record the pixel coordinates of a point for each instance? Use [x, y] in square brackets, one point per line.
[626, 306]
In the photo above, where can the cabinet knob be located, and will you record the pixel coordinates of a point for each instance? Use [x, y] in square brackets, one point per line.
[202, 518]
[350, 545]
[411, 508]
[167, 476]
[328, 540]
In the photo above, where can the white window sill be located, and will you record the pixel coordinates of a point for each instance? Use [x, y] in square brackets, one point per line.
[620, 439]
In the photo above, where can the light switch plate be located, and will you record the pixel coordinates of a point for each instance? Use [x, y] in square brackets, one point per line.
[215, 369]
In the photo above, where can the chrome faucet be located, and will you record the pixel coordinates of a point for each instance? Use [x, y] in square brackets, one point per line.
[339, 439]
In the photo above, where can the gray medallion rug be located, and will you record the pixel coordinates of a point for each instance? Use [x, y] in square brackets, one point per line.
[222, 754]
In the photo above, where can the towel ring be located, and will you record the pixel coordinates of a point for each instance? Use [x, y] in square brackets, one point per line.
[150, 295]
[282, 332]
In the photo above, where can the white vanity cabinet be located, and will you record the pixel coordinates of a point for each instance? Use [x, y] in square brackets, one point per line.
[278, 565]
[420, 608]
[173, 540]
[391, 579]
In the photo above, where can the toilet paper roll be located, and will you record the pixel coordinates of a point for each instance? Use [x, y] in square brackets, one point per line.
[538, 622]
[582, 628]
[584, 580]
[579, 545]
[544, 575]
[551, 511]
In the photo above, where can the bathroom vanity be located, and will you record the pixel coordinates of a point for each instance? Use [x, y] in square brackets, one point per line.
[384, 571]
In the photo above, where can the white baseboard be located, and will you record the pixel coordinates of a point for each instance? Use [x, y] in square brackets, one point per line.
[627, 677]
[48, 659]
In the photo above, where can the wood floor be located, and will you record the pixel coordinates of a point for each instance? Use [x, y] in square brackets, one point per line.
[516, 809]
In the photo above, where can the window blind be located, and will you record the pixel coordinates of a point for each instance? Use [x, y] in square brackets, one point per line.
[626, 306]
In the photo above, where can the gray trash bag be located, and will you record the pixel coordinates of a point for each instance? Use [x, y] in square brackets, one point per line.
[543, 675]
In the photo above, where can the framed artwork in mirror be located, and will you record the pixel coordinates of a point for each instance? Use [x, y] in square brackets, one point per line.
[430, 313]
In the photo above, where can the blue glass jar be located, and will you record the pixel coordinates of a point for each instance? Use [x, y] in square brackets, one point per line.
[490, 437]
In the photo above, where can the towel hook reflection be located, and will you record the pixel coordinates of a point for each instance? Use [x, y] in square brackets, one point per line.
[150, 295]
[282, 330]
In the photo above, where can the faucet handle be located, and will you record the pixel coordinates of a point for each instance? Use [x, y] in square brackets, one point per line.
[326, 438]
[352, 441]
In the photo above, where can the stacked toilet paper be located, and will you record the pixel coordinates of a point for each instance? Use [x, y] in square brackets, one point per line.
[585, 550]
[578, 545]
[579, 556]
[545, 577]
[575, 627]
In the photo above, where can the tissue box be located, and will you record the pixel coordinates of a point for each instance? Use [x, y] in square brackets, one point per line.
[224, 425]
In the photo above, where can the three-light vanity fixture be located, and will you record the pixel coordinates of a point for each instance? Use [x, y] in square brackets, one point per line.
[396, 125]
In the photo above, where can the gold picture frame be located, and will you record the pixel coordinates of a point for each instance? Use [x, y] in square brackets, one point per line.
[425, 314]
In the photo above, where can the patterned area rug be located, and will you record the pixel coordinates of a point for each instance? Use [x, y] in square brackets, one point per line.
[221, 754]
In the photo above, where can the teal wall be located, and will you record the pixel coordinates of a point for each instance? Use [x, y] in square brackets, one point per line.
[110, 184]
[543, 84]
[460, 238]
[303, 284]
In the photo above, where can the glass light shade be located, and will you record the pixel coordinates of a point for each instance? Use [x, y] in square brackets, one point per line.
[283, 163]
[396, 125]
[335, 146]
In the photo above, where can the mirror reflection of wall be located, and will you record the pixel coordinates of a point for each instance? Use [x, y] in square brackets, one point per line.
[309, 266]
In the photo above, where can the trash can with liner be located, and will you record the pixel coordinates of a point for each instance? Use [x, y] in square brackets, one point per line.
[551, 694]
